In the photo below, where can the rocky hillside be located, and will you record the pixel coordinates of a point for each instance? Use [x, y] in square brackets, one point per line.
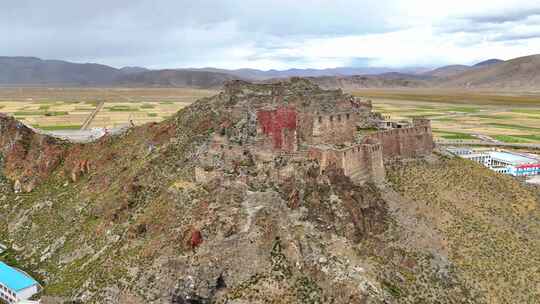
[123, 220]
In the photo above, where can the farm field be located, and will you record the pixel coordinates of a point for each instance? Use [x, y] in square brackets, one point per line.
[504, 117]
[53, 109]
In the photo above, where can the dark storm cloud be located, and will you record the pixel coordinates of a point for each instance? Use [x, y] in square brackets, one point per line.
[161, 33]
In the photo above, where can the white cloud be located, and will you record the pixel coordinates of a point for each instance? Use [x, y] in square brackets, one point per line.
[270, 34]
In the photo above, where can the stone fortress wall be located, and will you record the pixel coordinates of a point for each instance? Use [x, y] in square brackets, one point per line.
[360, 162]
[301, 121]
[406, 142]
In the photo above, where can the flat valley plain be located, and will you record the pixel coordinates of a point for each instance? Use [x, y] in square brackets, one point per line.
[511, 117]
[53, 109]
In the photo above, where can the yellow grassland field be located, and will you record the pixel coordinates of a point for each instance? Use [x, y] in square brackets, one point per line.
[68, 108]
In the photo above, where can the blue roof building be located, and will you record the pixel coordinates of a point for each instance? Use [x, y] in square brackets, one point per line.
[16, 285]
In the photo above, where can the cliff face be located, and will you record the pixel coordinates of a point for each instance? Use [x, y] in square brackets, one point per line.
[29, 157]
[135, 225]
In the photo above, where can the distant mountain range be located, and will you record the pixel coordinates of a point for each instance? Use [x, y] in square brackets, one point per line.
[254, 74]
[518, 73]
[31, 71]
[453, 70]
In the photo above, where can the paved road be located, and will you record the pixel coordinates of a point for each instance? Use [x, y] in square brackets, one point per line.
[484, 143]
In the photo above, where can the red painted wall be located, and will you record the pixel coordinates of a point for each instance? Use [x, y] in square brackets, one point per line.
[280, 126]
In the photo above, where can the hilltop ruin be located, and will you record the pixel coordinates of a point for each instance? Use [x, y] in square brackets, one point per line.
[298, 121]
[264, 193]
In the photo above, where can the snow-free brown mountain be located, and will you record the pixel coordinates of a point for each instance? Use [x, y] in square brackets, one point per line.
[449, 70]
[34, 71]
[518, 74]
[31, 71]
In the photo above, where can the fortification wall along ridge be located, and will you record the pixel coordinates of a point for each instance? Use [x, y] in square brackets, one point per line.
[299, 120]
[406, 142]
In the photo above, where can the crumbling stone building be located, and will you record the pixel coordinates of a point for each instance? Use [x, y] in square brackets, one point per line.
[297, 120]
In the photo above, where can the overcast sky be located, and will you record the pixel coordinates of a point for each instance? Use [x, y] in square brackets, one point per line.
[270, 34]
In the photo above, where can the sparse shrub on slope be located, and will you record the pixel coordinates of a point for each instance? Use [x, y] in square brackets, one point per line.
[490, 224]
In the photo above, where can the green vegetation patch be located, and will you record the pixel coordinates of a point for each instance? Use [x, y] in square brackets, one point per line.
[454, 135]
[40, 113]
[412, 116]
[122, 108]
[427, 107]
[28, 113]
[58, 127]
[166, 102]
[517, 138]
[147, 106]
[56, 113]
[44, 107]
[446, 119]
[464, 109]
[152, 114]
[494, 116]
[449, 97]
[513, 127]
[82, 109]
[526, 111]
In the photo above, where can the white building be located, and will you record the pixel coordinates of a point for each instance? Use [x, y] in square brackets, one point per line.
[15, 285]
[501, 161]
[481, 157]
[517, 165]
[460, 151]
